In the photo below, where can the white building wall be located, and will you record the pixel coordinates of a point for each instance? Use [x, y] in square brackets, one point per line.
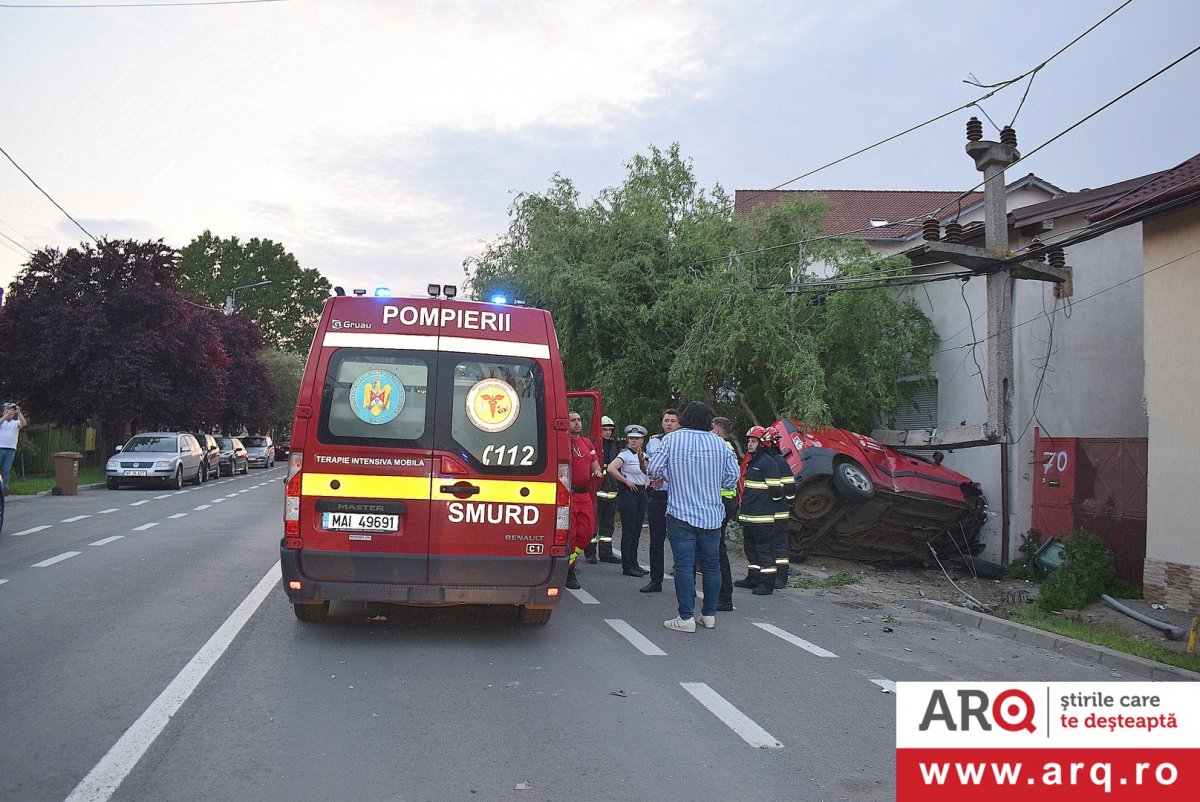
[1092, 387]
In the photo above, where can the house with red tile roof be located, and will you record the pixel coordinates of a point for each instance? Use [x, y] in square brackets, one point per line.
[1077, 351]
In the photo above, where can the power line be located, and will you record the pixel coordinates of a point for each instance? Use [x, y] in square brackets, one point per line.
[47, 194]
[14, 242]
[142, 5]
[1079, 301]
[995, 88]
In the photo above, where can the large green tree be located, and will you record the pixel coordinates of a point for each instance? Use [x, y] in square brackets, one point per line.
[660, 295]
[287, 309]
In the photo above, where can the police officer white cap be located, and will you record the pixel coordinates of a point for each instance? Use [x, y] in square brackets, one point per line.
[633, 430]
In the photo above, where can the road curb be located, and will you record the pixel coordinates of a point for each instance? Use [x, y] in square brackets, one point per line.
[11, 498]
[1049, 640]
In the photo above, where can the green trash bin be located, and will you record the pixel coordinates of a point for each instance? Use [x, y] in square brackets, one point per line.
[66, 473]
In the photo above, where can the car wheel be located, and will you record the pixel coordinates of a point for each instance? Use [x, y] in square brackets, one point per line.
[246, 468]
[113, 484]
[851, 480]
[198, 479]
[177, 482]
[312, 612]
[535, 615]
[814, 501]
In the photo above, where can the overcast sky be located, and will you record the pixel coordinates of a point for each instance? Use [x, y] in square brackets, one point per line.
[382, 142]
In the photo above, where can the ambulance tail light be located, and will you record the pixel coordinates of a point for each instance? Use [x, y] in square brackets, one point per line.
[562, 501]
[291, 496]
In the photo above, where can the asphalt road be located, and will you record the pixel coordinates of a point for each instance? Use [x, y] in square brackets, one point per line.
[161, 661]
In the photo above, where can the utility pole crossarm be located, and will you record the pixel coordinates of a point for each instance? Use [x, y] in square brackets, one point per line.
[979, 261]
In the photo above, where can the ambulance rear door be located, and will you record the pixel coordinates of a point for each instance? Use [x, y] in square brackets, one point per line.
[495, 484]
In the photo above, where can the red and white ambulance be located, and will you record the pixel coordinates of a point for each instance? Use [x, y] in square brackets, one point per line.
[430, 461]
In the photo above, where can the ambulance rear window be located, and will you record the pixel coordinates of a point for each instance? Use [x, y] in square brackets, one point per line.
[374, 397]
[498, 414]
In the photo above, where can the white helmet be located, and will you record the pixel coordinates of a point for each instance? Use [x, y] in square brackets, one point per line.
[607, 421]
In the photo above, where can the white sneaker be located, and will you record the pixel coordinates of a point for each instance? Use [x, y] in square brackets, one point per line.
[709, 621]
[680, 625]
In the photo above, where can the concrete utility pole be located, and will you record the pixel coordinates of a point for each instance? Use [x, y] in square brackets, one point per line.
[991, 159]
[994, 262]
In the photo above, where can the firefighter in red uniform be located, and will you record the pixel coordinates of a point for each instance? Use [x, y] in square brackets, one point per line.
[585, 471]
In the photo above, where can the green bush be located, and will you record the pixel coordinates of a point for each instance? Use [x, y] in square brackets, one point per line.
[1087, 572]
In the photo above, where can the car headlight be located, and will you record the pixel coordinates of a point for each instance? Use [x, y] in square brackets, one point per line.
[162, 463]
[112, 465]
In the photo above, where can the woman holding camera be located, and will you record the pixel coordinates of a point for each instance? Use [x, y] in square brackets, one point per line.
[11, 424]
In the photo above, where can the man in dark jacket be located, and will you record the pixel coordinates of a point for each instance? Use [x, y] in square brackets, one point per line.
[606, 500]
[760, 486]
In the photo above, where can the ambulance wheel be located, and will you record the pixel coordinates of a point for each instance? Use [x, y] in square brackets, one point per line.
[851, 480]
[312, 612]
[536, 615]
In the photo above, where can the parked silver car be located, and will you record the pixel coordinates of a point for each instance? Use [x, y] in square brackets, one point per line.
[156, 458]
[260, 450]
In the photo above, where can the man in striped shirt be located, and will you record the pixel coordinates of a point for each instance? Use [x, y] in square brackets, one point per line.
[699, 465]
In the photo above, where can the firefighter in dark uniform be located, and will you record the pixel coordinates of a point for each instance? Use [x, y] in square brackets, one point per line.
[760, 487]
[783, 509]
[606, 501]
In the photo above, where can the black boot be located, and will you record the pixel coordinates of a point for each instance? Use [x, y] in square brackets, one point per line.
[606, 554]
[572, 580]
[766, 584]
[751, 580]
[589, 553]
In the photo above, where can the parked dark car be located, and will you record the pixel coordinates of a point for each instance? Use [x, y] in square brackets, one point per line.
[210, 468]
[156, 458]
[861, 500]
[283, 448]
[233, 456]
[260, 450]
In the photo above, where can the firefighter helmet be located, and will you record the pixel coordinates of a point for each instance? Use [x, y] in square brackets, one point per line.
[769, 437]
[757, 431]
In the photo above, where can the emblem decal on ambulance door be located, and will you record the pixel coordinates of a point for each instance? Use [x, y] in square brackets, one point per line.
[377, 396]
[492, 405]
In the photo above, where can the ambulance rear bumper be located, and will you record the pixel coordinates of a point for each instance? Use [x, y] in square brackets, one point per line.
[422, 595]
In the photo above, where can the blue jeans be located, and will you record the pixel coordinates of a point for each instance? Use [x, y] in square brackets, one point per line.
[687, 543]
[6, 461]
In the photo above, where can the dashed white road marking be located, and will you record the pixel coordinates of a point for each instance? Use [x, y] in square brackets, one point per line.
[106, 512]
[144, 527]
[66, 555]
[2, 581]
[140, 503]
[583, 596]
[790, 638]
[106, 541]
[76, 518]
[178, 515]
[232, 495]
[733, 718]
[30, 531]
[886, 684]
[164, 495]
[639, 641]
[201, 507]
[106, 776]
[217, 500]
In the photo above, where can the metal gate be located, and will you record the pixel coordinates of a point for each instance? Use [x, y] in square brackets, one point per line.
[1097, 484]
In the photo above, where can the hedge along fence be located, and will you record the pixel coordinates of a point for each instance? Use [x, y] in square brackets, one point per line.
[38, 444]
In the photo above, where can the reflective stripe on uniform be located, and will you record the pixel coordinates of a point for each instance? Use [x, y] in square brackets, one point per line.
[770, 569]
[351, 485]
[782, 515]
[607, 495]
[756, 519]
[754, 484]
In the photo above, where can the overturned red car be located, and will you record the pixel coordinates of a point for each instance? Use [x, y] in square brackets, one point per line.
[858, 499]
